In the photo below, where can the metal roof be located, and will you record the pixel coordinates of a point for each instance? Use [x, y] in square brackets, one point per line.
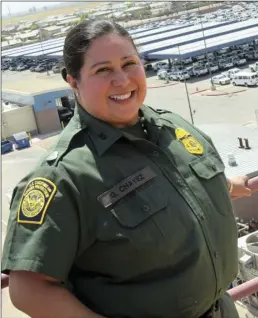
[225, 138]
[209, 30]
[36, 49]
[209, 45]
[44, 52]
[30, 46]
[138, 30]
[158, 30]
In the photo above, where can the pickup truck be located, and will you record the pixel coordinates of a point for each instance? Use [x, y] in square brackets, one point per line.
[224, 64]
[254, 67]
[239, 61]
[213, 67]
[197, 71]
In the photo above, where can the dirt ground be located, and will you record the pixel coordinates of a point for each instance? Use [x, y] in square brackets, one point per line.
[44, 14]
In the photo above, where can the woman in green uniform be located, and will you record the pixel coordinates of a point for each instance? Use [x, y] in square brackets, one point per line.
[129, 215]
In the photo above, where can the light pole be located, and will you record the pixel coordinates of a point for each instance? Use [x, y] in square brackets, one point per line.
[186, 89]
[205, 46]
[40, 40]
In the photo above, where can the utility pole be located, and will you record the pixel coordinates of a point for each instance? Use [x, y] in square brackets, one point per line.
[186, 89]
[40, 39]
[205, 46]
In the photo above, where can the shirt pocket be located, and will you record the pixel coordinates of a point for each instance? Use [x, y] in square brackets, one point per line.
[137, 208]
[207, 167]
[209, 170]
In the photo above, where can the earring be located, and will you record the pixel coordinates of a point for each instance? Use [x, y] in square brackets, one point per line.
[77, 94]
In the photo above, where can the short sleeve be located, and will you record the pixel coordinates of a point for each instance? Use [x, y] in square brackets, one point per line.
[43, 227]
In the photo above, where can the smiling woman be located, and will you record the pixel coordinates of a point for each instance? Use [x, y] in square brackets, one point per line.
[105, 71]
[128, 214]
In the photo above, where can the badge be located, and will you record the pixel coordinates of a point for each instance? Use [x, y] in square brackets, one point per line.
[35, 201]
[191, 144]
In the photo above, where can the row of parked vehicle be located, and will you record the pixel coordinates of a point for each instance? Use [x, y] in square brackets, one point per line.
[234, 75]
[23, 63]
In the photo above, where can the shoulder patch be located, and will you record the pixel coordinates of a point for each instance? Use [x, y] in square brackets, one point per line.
[35, 201]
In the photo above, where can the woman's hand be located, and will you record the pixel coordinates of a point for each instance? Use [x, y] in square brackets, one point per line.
[238, 187]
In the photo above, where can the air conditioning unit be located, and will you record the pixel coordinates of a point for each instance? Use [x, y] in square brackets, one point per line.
[248, 255]
[248, 264]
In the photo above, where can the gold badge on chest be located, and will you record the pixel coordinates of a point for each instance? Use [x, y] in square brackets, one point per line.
[191, 144]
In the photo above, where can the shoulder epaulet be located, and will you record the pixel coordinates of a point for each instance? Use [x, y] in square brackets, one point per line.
[62, 146]
[160, 111]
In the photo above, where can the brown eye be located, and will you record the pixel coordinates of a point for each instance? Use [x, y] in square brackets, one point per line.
[102, 70]
[130, 63]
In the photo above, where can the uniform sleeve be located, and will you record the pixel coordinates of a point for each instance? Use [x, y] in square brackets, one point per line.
[43, 227]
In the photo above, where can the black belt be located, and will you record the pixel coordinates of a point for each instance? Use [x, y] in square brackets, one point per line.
[213, 312]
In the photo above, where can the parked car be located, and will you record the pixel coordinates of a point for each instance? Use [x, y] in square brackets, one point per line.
[197, 70]
[57, 69]
[162, 74]
[231, 72]
[160, 65]
[22, 67]
[213, 67]
[254, 67]
[224, 64]
[220, 79]
[239, 61]
[12, 67]
[179, 75]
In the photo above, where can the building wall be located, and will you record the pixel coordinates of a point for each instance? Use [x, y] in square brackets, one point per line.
[44, 105]
[18, 120]
[46, 114]
[17, 97]
[48, 121]
[48, 100]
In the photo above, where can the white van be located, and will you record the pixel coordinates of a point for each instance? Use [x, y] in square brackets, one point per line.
[245, 78]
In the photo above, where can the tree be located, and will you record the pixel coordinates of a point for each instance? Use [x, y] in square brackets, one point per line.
[33, 27]
[84, 16]
[129, 4]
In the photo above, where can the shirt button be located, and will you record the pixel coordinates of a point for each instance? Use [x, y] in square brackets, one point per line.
[214, 168]
[155, 154]
[145, 208]
[216, 254]
[102, 136]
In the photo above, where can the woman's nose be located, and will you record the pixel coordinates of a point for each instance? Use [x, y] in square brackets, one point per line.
[120, 78]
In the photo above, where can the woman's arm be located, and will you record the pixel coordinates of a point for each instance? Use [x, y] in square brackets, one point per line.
[40, 296]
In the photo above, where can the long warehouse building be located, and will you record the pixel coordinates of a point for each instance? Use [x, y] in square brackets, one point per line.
[58, 43]
[210, 45]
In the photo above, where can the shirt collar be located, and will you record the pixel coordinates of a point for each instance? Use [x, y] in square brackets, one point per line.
[104, 135]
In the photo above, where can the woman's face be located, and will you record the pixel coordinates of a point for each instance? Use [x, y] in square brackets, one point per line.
[112, 85]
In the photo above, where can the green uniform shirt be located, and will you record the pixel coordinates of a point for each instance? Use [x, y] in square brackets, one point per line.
[142, 226]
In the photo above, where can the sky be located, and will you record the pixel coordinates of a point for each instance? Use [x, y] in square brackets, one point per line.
[16, 7]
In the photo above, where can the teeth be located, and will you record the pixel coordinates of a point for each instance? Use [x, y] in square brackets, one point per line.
[121, 97]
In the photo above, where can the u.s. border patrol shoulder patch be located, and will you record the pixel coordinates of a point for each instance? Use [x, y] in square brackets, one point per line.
[191, 144]
[35, 201]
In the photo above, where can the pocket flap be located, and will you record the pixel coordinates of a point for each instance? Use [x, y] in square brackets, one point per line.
[207, 167]
[136, 209]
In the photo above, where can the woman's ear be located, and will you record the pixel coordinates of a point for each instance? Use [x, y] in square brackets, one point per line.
[71, 81]
[64, 74]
